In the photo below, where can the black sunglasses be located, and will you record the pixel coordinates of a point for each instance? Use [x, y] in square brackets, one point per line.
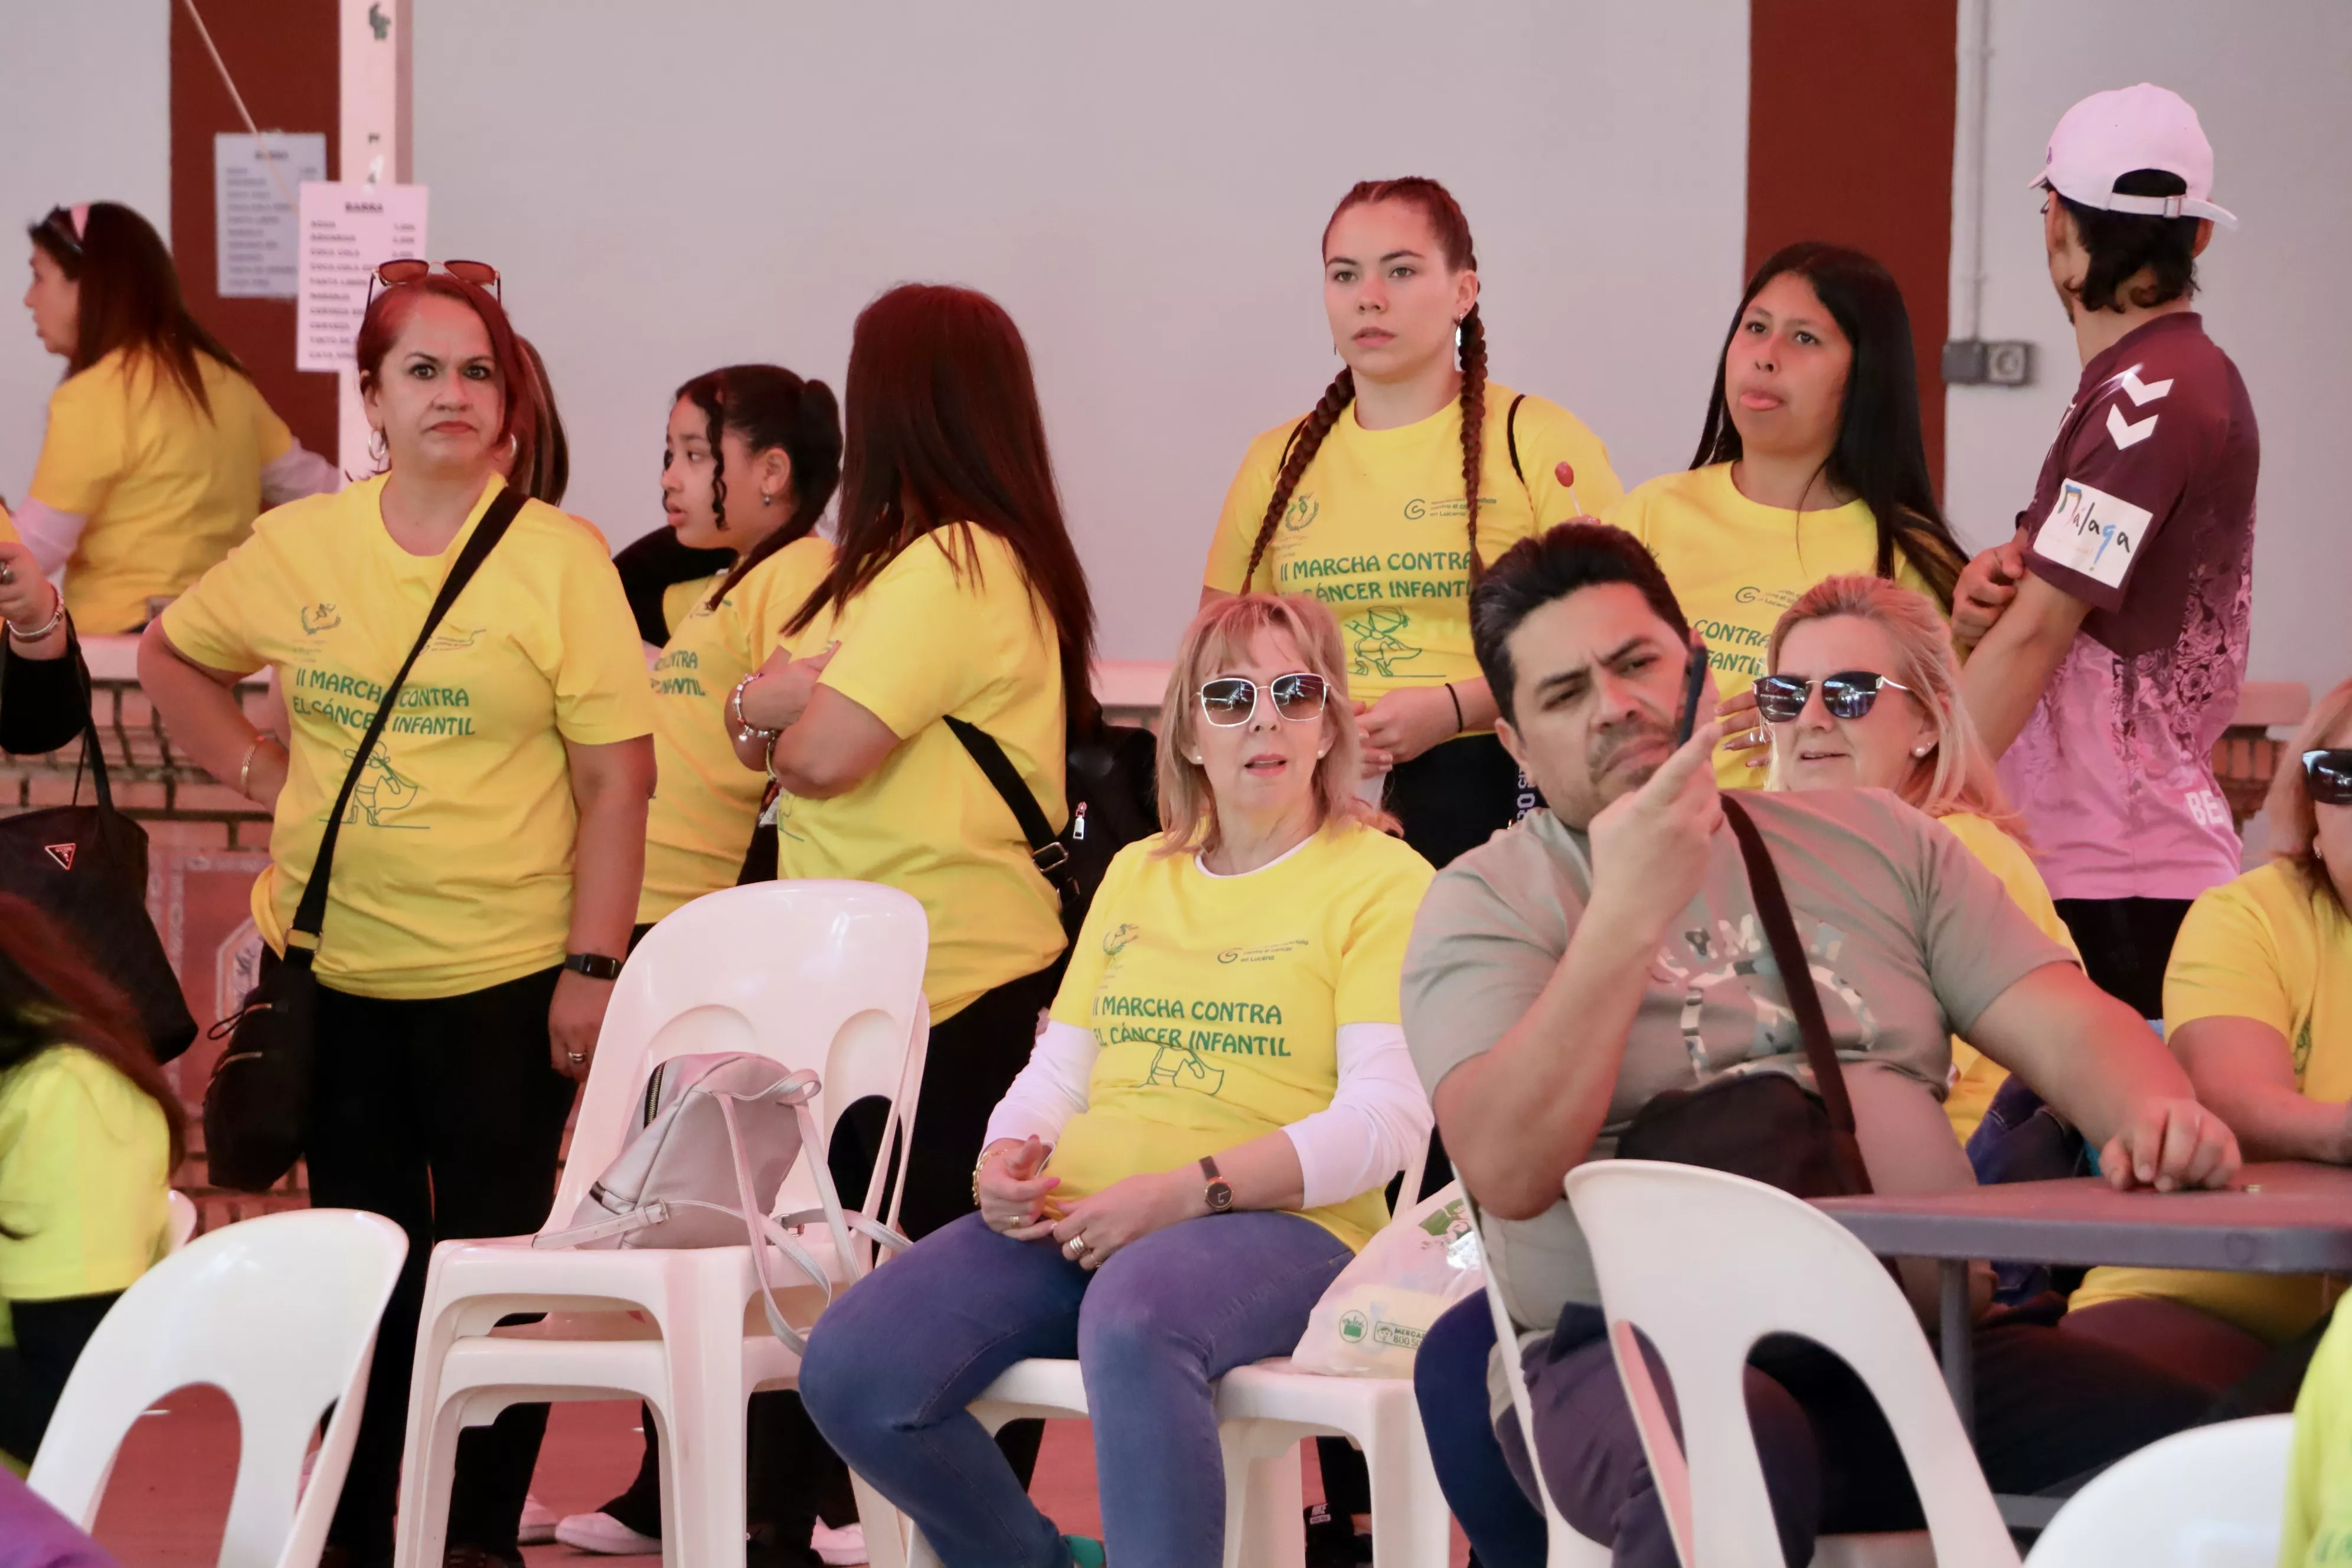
[1231, 700]
[1848, 694]
[415, 269]
[2327, 775]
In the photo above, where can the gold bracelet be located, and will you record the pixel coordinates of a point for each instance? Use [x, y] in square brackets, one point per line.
[244, 769]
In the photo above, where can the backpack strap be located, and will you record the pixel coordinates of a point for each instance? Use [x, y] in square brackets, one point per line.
[1511, 436]
[1804, 996]
[310, 915]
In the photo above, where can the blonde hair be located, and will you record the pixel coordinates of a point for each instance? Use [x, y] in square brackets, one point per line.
[2295, 818]
[1957, 775]
[1219, 637]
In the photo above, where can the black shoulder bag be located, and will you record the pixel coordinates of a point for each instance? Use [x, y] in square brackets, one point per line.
[87, 866]
[1764, 1125]
[1112, 782]
[258, 1105]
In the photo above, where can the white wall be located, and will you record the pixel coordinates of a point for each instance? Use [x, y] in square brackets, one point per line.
[669, 188]
[85, 115]
[2267, 81]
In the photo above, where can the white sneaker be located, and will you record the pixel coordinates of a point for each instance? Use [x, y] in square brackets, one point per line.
[845, 1545]
[605, 1535]
[537, 1526]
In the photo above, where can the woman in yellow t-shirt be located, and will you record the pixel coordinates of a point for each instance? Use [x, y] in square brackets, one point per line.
[488, 871]
[2258, 1006]
[1200, 1139]
[751, 459]
[1863, 693]
[160, 450]
[954, 593]
[1387, 499]
[1811, 465]
[89, 1131]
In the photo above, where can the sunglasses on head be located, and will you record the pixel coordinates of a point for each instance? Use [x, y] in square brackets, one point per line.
[1848, 694]
[415, 269]
[1231, 700]
[2327, 775]
[69, 225]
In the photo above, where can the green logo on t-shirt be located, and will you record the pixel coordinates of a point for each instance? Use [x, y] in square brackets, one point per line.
[1377, 648]
[1301, 513]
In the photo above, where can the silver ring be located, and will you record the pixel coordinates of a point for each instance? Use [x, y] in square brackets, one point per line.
[576, 1057]
[1075, 1247]
[7, 575]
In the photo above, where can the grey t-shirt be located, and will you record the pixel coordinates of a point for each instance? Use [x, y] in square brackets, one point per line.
[1911, 938]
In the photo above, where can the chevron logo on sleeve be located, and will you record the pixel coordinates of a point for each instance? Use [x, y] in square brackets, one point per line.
[2142, 392]
[2129, 433]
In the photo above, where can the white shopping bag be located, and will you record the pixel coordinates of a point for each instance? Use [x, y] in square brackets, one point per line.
[1371, 1320]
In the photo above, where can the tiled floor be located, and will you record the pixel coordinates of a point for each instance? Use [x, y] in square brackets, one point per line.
[169, 1498]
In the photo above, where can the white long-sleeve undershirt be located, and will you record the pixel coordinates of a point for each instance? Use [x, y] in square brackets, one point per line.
[1377, 1122]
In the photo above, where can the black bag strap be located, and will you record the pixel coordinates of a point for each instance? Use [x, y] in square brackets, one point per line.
[1804, 996]
[1511, 436]
[93, 752]
[1045, 847]
[311, 913]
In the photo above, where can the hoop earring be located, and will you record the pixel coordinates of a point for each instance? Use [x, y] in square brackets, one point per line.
[377, 449]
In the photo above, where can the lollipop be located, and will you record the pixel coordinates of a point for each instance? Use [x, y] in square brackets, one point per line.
[1566, 474]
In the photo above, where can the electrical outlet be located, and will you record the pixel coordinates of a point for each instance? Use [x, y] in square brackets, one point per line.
[1974, 362]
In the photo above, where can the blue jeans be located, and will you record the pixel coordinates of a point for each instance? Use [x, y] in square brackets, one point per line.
[1449, 1384]
[893, 1364]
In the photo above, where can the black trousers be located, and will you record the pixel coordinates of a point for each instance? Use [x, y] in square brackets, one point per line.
[2126, 944]
[1449, 800]
[445, 1117]
[794, 1478]
[33, 1371]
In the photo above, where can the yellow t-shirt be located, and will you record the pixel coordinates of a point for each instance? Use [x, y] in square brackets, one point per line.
[932, 636]
[8, 535]
[2317, 1528]
[85, 1165]
[1217, 1002]
[2272, 948]
[680, 600]
[1375, 527]
[1975, 1076]
[166, 490]
[1736, 566]
[454, 869]
[707, 801]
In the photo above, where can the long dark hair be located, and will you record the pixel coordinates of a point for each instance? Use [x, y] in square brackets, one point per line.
[50, 995]
[942, 427]
[1453, 231]
[130, 295]
[542, 471]
[770, 406]
[1880, 454]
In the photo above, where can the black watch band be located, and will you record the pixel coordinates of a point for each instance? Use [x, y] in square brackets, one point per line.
[594, 966]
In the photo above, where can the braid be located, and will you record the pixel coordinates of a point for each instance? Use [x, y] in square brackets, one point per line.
[1474, 426]
[1318, 425]
[717, 417]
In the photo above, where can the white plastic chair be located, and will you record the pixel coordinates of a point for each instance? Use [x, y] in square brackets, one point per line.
[1706, 1264]
[182, 1222]
[1564, 1547]
[1263, 1412]
[280, 1313]
[2211, 1497]
[819, 975]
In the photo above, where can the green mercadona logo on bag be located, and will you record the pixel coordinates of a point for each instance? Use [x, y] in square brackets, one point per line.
[1354, 1328]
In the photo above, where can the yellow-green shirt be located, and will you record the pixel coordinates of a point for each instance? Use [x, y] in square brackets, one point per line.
[706, 801]
[2317, 1529]
[948, 626]
[454, 869]
[1376, 528]
[1975, 1076]
[1735, 565]
[85, 1168]
[2270, 947]
[1217, 1002]
[167, 490]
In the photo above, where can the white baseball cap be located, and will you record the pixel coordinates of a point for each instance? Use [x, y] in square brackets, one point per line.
[2109, 134]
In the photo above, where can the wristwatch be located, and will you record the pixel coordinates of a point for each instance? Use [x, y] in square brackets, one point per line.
[1219, 1193]
[594, 966]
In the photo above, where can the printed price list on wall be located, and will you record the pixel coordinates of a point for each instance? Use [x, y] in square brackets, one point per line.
[257, 227]
[348, 230]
